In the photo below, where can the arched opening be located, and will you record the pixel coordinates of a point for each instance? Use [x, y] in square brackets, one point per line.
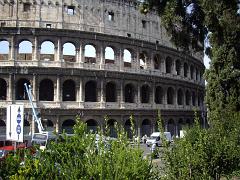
[67, 126]
[187, 98]
[157, 62]
[26, 127]
[159, 95]
[180, 126]
[127, 58]
[69, 91]
[90, 54]
[145, 94]
[2, 127]
[21, 93]
[25, 50]
[168, 65]
[69, 52]
[110, 92]
[128, 129]
[146, 127]
[92, 126]
[178, 67]
[111, 124]
[3, 89]
[4, 50]
[193, 98]
[109, 55]
[191, 71]
[171, 127]
[180, 97]
[48, 125]
[91, 91]
[170, 96]
[185, 70]
[129, 93]
[47, 51]
[143, 60]
[46, 90]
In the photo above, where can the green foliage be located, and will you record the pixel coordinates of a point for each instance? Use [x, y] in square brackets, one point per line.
[81, 157]
[205, 153]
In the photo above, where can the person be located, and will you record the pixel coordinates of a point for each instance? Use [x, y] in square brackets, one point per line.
[154, 150]
[144, 138]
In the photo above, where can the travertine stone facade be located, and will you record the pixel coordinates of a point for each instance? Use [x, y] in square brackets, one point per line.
[95, 58]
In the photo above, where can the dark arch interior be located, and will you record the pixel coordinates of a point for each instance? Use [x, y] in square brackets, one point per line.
[69, 93]
[46, 90]
[3, 89]
[21, 93]
[91, 91]
[129, 93]
[110, 92]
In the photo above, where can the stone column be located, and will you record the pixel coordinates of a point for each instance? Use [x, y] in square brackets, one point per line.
[163, 64]
[12, 49]
[153, 95]
[121, 63]
[34, 89]
[59, 56]
[138, 95]
[102, 57]
[57, 126]
[102, 97]
[10, 85]
[36, 50]
[121, 93]
[58, 89]
[137, 61]
[174, 67]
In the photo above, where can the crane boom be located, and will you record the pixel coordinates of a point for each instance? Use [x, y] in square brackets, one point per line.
[42, 136]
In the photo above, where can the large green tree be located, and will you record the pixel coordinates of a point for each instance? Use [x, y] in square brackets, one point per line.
[188, 22]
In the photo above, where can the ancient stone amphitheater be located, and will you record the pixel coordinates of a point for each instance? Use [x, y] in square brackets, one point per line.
[94, 58]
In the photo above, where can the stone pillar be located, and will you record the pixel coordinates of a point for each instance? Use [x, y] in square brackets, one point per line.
[59, 56]
[138, 95]
[163, 64]
[102, 57]
[137, 61]
[121, 63]
[80, 55]
[121, 93]
[12, 49]
[58, 89]
[81, 91]
[57, 126]
[10, 86]
[174, 67]
[36, 50]
[34, 89]
[153, 95]
[102, 97]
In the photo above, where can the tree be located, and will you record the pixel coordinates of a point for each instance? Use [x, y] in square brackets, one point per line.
[188, 22]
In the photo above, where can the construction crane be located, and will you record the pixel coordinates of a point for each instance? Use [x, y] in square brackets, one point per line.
[41, 137]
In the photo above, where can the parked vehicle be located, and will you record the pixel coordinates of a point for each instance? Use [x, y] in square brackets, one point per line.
[155, 138]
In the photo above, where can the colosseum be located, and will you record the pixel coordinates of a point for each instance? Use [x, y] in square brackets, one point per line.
[95, 58]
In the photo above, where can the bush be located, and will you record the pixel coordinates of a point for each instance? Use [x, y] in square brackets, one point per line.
[80, 157]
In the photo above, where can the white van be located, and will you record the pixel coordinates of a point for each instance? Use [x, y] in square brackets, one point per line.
[155, 138]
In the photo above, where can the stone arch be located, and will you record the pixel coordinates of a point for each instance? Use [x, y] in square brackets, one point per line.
[193, 98]
[49, 125]
[170, 95]
[185, 70]
[46, 90]
[112, 129]
[187, 98]
[67, 126]
[191, 71]
[21, 93]
[109, 55]
[69, 52]
[127, 58]
[26, 126]
[178, 67]
[4, 50]
[145, 93]
[3, 89]
[127, 127]
[146, 127]
[171, 127]
[90, 53]
[69, 90]
[92, 125]
[91, 91]
[111, 92]
[143, 60]
[25, 50]
[180, 97]
[47, 51]
[169, 64]
[2, 127]
[159, 95]
[129, 93]
[157, 62]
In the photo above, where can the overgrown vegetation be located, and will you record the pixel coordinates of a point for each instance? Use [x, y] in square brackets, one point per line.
[214, 152]
[82, 157]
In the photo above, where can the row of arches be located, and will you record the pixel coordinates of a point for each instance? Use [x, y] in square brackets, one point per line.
[146, 126]
[91, 89]
[70, 51]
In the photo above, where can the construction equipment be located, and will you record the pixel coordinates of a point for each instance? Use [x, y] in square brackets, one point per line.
[41, 137]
